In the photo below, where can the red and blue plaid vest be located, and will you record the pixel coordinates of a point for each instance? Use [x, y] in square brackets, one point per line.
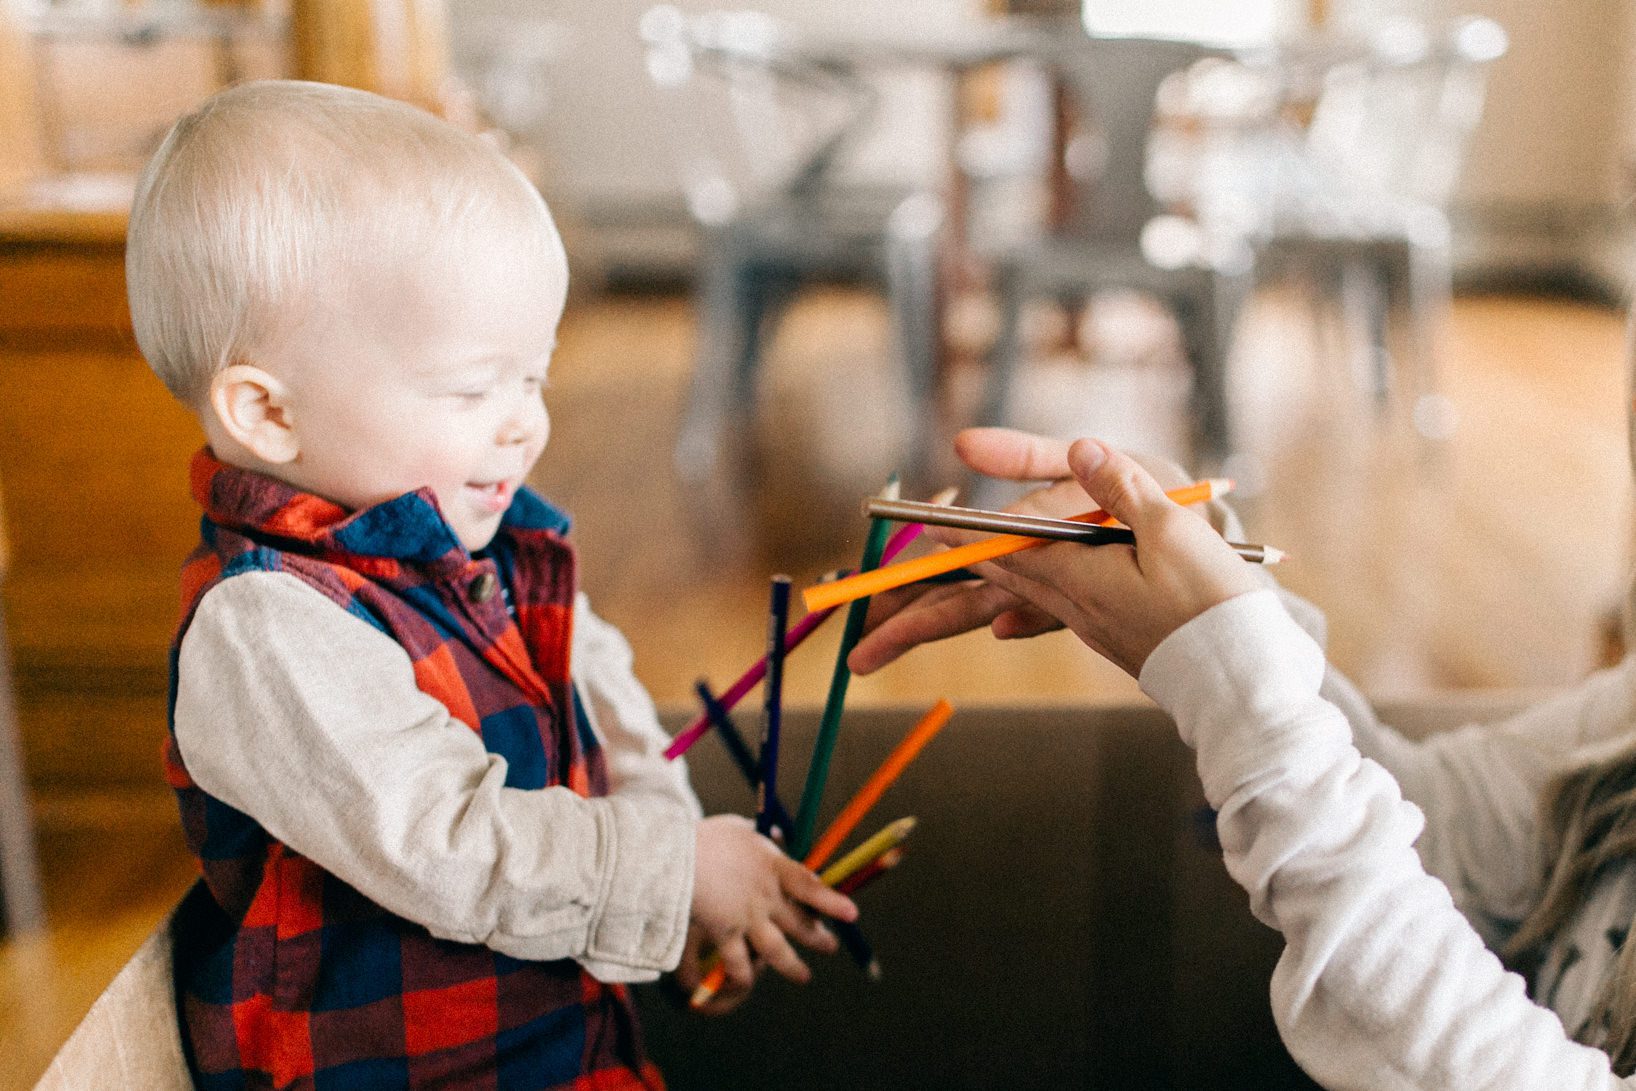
[286, 976]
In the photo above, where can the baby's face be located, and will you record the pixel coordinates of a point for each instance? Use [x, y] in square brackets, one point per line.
[427, 372]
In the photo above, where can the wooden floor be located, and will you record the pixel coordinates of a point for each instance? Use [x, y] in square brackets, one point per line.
[1492, 562]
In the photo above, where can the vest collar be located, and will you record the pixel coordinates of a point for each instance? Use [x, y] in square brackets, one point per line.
[407, 528]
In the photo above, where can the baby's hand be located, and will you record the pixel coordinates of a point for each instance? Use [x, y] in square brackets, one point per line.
[749, 897]
[696, 957]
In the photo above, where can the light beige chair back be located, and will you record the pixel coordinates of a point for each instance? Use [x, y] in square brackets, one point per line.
[129, 1038]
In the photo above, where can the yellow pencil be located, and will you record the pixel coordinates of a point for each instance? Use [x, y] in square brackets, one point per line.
[836, 592]
[889, 837]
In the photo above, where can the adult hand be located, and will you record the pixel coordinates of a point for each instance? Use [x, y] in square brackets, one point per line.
[1120, 600]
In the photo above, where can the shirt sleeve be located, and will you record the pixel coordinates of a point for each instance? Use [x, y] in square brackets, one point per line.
[623, 716]
[1479, 785]
[1383, 983]
[340, 756]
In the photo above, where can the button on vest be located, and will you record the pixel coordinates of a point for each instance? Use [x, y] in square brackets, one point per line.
[481, 589]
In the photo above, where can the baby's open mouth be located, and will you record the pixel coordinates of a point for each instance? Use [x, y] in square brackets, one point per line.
[493, 495]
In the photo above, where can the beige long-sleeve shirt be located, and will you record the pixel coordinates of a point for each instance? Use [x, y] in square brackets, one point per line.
[309, 720]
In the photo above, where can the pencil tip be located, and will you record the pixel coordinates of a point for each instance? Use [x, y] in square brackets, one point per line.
[1274, 555]
[874, 970]
[1221, 486]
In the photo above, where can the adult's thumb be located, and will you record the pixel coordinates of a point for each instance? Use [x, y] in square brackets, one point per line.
[1117, 482]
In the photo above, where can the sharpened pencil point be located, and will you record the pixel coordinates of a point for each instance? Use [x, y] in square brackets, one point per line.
[873, 971]
[1221, 486]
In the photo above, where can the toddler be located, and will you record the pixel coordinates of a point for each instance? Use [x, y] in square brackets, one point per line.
[436, 831]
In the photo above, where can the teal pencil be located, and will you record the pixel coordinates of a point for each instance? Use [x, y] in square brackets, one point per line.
[829, 726]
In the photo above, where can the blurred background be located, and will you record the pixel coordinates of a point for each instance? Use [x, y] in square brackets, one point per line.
[1369, 259]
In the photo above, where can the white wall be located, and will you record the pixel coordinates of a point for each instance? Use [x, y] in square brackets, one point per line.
[1546, 176]
[603, 127]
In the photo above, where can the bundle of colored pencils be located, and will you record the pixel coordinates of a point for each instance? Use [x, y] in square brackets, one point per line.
[876, 855]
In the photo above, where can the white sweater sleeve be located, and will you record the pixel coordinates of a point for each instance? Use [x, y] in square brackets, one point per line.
[309, 720]
[1383, 984]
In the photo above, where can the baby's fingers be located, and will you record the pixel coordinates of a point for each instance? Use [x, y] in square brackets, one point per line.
[735, 959]
[804, 888]
[769, 943]
[805, 929]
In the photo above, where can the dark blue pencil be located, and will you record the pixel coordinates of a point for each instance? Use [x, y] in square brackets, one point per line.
[739, 750]
[772, 709]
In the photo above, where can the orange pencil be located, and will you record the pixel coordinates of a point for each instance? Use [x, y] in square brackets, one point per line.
[880, 780]
[826, 595]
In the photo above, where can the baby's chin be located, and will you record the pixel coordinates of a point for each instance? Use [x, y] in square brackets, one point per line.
[476, 533]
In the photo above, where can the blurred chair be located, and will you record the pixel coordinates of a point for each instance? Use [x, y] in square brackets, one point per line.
[1358, 208]
[757, 130]
[1118, 236]
[22, 907]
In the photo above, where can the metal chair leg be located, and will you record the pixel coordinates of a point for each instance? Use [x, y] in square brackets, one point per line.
[23, 904]
[912, 254]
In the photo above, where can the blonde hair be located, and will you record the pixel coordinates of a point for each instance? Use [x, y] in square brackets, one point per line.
[270, 186]
[1589, 824]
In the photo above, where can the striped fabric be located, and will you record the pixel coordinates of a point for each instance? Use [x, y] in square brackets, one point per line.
[286, 976]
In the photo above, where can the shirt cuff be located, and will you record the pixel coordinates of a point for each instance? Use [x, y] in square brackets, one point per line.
[1236, 679]
[641, 925]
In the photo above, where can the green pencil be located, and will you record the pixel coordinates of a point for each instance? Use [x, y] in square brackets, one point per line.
[829, 727]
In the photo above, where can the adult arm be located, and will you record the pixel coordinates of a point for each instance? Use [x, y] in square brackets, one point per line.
[309, 720]
[1382, 983]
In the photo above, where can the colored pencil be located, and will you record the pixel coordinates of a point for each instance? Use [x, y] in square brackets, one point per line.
[740, 752]
[1037, 526]
[881, 779]
[884, 840]
[858, 947]
[772, 708]
[829, 724]
[828, 596]
[867, 874]
[901, 539]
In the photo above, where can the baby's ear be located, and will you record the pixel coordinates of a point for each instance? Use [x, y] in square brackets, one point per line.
[252, 406]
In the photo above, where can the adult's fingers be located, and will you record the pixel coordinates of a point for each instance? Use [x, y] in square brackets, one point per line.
[1022, 622]
[1011, 454]
[960, 610]
[1118, 483]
